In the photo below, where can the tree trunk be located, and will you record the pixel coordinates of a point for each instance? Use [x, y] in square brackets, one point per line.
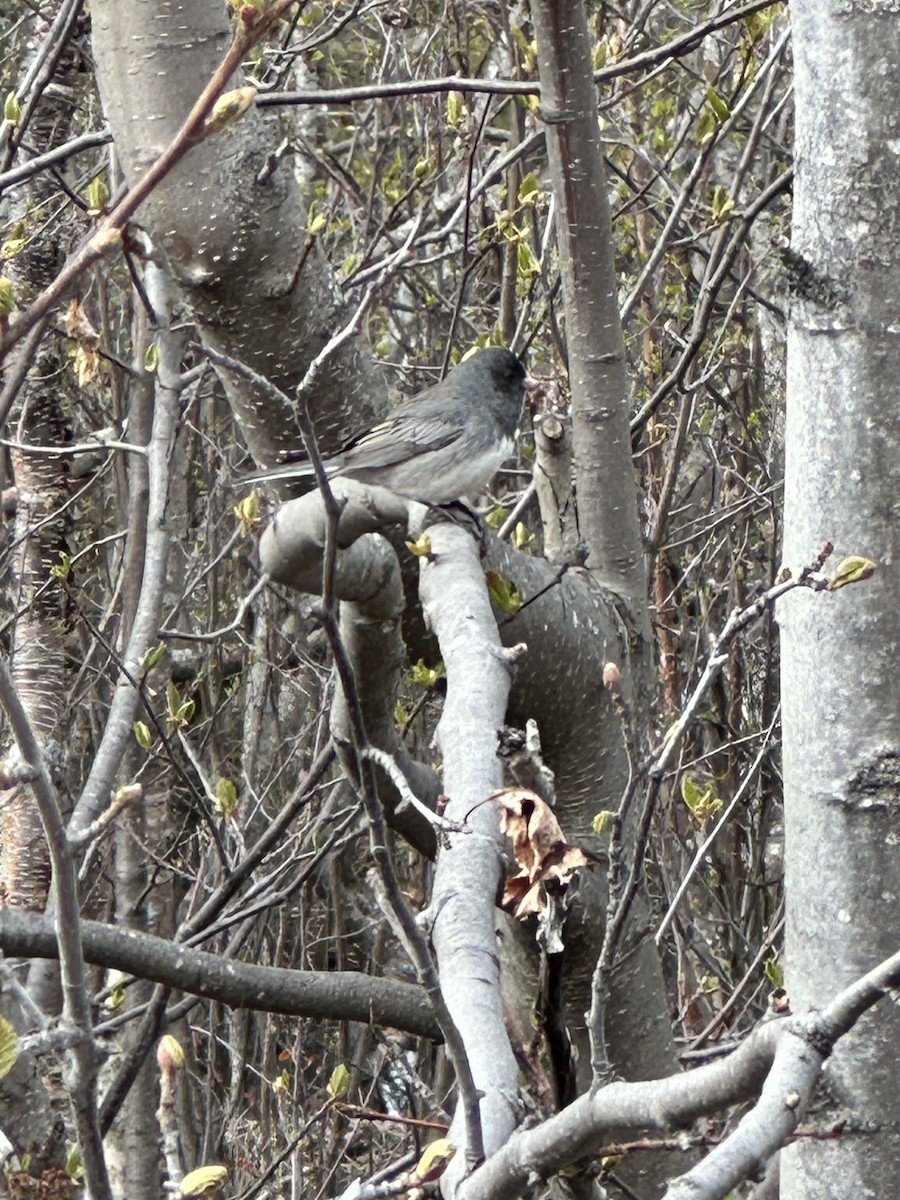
[839, 668]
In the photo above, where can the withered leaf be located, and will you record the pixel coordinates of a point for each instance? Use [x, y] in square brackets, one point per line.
[541, 850]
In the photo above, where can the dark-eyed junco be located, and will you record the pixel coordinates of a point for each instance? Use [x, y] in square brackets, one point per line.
[441, 444]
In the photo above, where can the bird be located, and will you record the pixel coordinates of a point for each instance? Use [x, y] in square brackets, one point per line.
[439, 445]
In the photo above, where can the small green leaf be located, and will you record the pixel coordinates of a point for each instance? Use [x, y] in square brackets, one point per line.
[116, 997]
[9, 1047]
[142, 735]
[12, 109]
[229, 107]
[851, 570]
[63, 568]
[527, 264]
[151, 357]
[180, 712]
[522, 536]
[7, 296]
[426, 677]
[529, 189]
[421, 547]
[603, 821]
[773, 972]
[456, 108]
[246, 511]
[226, 797]
[97, 195]
[152, 657]
[74, 1165]
[717, 104]
[339, 1082]
[504, 592]
[701, 798]
[722, 203]
[203, 1180]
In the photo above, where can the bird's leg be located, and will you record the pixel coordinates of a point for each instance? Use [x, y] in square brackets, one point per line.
[460, 514]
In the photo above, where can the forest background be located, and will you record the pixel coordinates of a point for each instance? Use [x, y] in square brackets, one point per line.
[236, 942]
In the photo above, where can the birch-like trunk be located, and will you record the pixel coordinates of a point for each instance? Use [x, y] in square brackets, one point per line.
[841, 689]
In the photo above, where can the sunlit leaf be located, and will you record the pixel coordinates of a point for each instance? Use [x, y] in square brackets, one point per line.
[434, 1160]
[142, 735]
[203, 1181]
[226, 797]
[246, 512]
[421, 547]
[773, 972]
[74, 1165]
[9, 1047]
[603, 821]
[339, 1082]
[7, 296]
[529, 189]
[97, 195]
[153, 656]
[229, 107]
[503, 592]
[851, 570]
[12, 109]
[717, 104]
[425, 677]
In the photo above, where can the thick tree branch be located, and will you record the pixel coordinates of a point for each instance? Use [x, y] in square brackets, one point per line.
[455, 598]
[781, 1062]
[332, 996]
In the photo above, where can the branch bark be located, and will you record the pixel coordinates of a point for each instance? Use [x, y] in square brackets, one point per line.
[332, 996]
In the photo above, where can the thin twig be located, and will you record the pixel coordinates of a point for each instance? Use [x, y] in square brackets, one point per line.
[391, 768]
[76, 1000]
[722, 821]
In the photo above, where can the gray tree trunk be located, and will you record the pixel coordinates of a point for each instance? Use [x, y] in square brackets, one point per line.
[841, 689]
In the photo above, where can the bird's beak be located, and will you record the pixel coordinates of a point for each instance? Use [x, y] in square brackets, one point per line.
[532, 382]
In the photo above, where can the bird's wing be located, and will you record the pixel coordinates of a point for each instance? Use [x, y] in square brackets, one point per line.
[404, 435]
[420, 423]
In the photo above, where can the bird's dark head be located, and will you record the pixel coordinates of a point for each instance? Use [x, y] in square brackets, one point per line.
[506, 372]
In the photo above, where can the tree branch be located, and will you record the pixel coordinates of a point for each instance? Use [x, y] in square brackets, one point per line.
[332, 996]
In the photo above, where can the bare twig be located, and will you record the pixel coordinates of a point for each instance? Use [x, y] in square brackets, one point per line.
[86, 141]
[676, 48]
[96, 793]
[391, 768]
[722, 821]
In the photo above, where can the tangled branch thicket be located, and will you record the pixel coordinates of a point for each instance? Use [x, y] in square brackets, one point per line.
[698, 154]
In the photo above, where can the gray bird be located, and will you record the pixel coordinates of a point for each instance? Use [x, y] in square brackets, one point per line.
[440, 444]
